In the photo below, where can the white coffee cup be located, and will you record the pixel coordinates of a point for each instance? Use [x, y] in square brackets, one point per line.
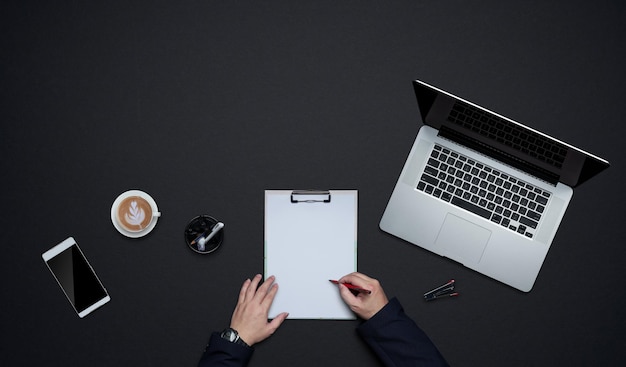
[134, 213]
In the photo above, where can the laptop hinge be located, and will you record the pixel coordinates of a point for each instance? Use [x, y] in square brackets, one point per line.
[499, 155]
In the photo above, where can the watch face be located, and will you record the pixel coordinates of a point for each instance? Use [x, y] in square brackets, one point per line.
[230, 335]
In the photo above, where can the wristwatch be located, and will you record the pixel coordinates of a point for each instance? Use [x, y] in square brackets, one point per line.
[232, 336]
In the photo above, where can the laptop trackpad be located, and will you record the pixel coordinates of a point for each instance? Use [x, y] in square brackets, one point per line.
[463, 240]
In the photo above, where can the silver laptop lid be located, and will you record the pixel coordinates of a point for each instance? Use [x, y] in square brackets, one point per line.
[503, 139]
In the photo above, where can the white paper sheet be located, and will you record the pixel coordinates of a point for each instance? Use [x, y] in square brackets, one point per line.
[306, 245]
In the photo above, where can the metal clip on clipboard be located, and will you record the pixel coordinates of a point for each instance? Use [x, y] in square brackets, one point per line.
[310, 196]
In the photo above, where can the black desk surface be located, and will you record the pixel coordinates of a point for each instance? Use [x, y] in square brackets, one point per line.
[206, 104]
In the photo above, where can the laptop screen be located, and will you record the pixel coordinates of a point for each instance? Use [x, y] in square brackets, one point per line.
[504, 139]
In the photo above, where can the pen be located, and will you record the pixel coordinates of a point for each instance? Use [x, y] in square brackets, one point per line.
[450, 285]
[352, 287]
[198, 238]
[214, 231]
[441, 291]
[442, 296]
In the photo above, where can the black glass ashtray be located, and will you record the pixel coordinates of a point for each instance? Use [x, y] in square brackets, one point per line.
[199, 229]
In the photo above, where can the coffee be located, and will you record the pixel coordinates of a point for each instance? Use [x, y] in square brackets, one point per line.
[134, 213]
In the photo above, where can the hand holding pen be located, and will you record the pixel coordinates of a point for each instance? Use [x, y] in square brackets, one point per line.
[368, 299]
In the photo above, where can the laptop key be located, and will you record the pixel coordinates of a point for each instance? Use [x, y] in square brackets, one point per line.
[496, 218]
[434, 163]
[429, 179]
[527, 222]
[430, 170]
[471, 207]
[533, 215]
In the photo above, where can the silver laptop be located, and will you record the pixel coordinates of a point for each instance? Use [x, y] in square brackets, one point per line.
[484, 190]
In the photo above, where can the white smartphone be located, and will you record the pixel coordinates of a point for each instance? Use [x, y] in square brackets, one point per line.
[76, 277]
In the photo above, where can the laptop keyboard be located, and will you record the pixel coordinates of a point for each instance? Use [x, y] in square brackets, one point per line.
[484, 191]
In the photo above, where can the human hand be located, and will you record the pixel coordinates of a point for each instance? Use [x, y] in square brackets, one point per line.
[363, 304]
[250, 317]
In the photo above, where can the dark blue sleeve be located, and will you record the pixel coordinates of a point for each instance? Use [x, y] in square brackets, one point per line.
[222, 353]
[397, 340]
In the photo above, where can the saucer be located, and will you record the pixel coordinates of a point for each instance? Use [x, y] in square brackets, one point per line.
[152, 203]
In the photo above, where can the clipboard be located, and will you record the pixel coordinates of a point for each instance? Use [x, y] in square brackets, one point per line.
[310, 237]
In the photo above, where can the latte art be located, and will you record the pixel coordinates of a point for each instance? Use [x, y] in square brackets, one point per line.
[134, 213]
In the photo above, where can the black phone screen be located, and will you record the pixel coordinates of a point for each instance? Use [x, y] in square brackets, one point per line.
[76, 277]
